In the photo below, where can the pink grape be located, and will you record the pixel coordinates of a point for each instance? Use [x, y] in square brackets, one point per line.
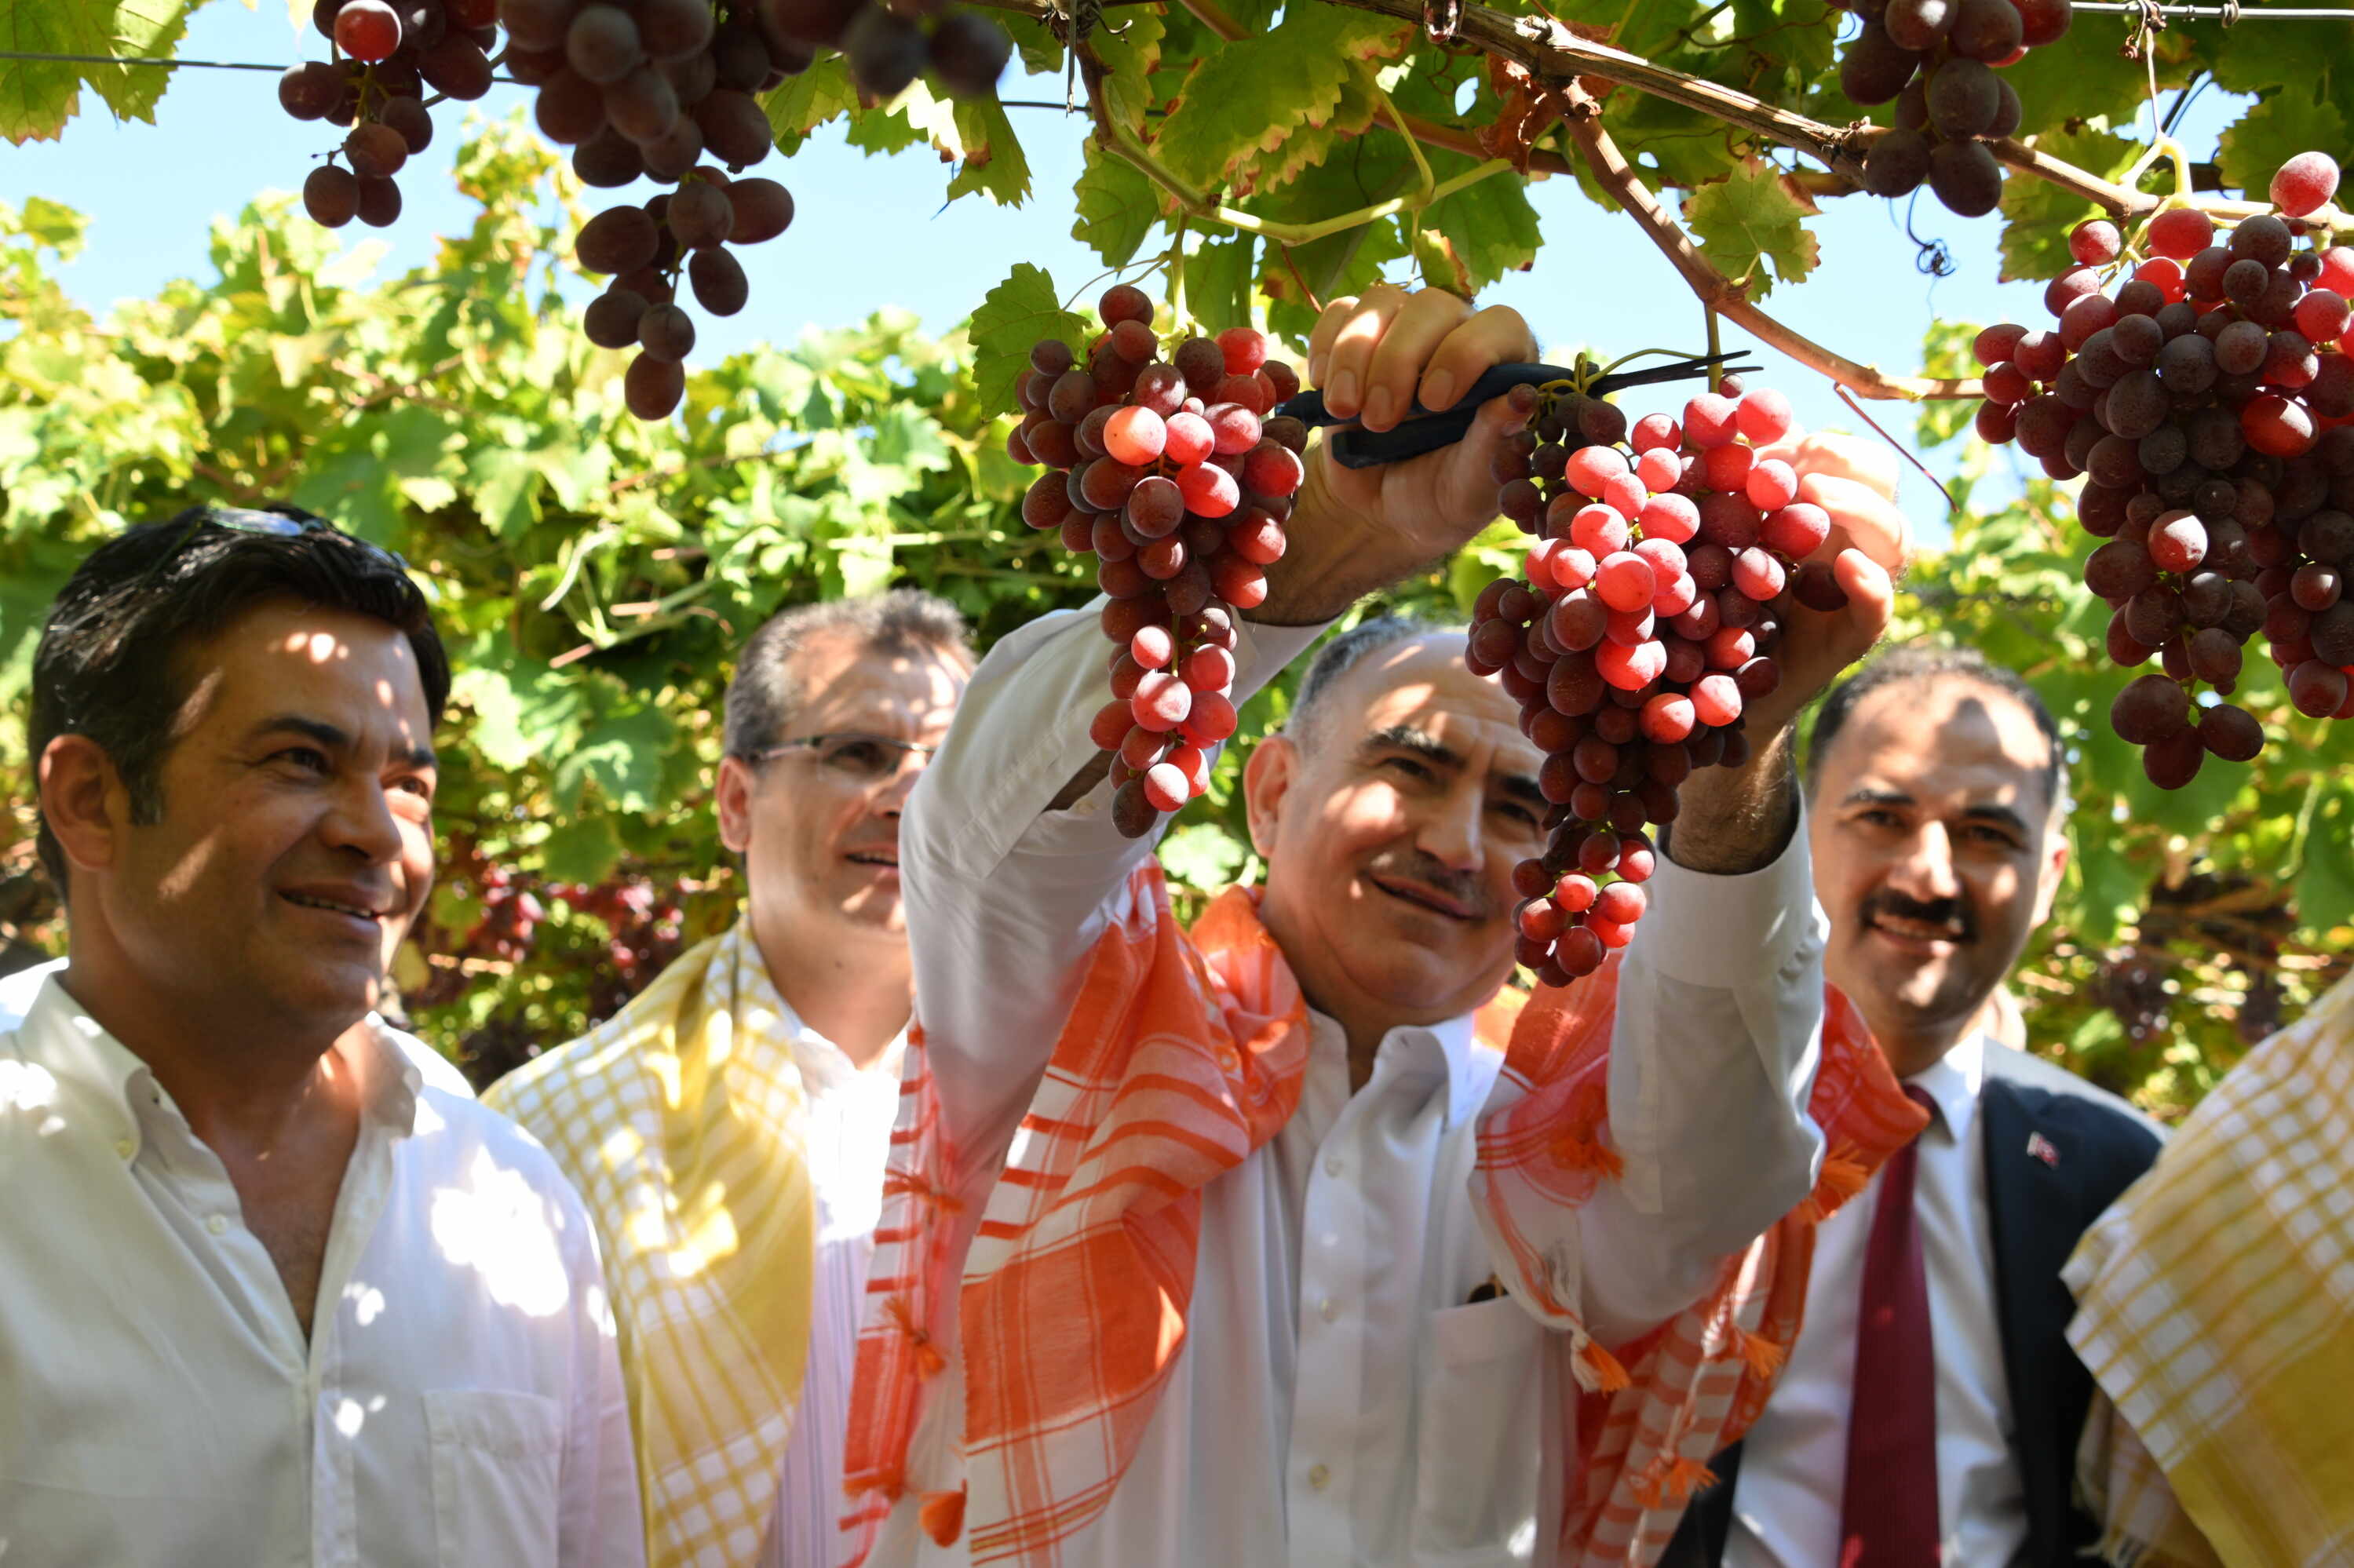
[1764, 415]
[1187, 439]
[1135, 436]
[1625, 582]
[2305, 183]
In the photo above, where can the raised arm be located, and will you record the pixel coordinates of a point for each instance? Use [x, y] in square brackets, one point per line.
[1012, 865]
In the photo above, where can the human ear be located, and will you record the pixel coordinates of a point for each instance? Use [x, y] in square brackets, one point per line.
[83, 800]
[1268, 778]
[733, 799]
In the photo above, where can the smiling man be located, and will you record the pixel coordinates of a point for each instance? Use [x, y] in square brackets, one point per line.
[1196, 1258]
[731, 1126]
[272, 1295]
[1930, 1409]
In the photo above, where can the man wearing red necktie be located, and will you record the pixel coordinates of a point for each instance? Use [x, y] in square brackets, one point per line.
[1930, 1410]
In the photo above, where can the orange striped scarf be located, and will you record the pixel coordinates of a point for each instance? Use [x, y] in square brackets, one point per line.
[1180, 1058]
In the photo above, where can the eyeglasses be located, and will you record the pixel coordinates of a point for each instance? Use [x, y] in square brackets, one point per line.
[857, 756]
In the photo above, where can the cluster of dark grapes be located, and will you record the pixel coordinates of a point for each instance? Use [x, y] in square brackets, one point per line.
[2132, 984]
[1173, 475]
[669, 90]
[389, 55]
[511, 915]
[645, 931]
[1937, 59]
[1647, 621]
[2207, 398]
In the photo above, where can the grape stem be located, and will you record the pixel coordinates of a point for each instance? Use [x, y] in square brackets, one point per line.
[1719, 294]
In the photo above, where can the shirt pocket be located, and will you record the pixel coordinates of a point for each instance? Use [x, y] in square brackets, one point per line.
[1478, 1427]
[498, 1462]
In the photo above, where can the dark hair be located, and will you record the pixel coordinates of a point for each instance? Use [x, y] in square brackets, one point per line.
[1915, 662]
[111, 663]
[763, 695]
[1341, 656]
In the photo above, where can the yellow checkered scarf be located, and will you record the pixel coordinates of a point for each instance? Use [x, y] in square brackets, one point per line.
[2213, 1306]
[680, 1121]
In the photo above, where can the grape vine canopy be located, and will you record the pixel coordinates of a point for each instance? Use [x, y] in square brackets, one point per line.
[1245, 161]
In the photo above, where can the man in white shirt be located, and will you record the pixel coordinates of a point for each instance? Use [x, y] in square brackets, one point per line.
[1938, 817]
[1351, 1386]
[271, 1296]
[750, 1091]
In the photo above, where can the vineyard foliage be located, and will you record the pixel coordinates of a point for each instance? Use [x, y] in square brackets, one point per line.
[593, 572]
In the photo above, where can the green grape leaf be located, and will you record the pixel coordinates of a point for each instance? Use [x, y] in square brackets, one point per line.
[2037, 214]
[2262, 56]
[1116, 206]
[1490, 227]
[1752, 217]
[1252, 93]
[1218, 282]
[2273, 130]
[2083, 78]
[808, 100]
[993, 160]
[1129, 49]
[1012, 317]
[39, 96]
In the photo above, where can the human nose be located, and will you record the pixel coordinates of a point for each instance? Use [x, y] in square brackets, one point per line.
[363, 821]
[1449, 831]
[893, 798]
[1925, 873]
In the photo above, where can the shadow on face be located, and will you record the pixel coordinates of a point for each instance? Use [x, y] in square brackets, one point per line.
[1390, 829]
[294, 844]
[818, 822]
[1935, 855]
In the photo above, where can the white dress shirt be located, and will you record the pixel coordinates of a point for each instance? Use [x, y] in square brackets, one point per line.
[1786, 1502]
[850, 1113]
[1339, 1398]
[437, 1071]
[457, 1402]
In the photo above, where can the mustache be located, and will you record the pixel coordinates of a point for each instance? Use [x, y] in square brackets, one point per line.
[1464, 888]
[1952, 914]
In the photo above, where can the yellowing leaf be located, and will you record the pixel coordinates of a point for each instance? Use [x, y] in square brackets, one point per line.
[993, 160]
[1254, 93]
[1754, 217]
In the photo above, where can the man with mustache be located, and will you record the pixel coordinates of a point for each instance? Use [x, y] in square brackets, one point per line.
[1930, 1409]
[1205, 1247]
[272, 1295]
[729, 1126]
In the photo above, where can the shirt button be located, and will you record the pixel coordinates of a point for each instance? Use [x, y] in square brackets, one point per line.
[1329, 1307]
[1319, 1478]
[218, 1225]
[1333, 1165]
[125, 1148]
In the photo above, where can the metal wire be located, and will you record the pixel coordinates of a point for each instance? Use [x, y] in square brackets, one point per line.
[2225, 13]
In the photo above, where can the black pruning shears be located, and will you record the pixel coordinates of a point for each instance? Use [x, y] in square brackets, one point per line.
[1427, 430]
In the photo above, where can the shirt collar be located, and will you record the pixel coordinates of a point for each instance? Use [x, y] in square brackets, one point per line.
[1431, 1055]
[1953, 1081]
[61, 1039]
[819, 1062]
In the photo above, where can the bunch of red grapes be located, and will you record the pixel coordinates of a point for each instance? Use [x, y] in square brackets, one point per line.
[1645, 624]
[669, 90]
[1171, 474]
[390, 54]
[2207, 396]
[511, 917]
[1937, 58]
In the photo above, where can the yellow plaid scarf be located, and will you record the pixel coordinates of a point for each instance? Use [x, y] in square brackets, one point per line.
[2213, 1306]
[680, 1121]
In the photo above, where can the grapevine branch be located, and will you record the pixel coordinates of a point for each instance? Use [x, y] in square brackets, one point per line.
[1718, 293]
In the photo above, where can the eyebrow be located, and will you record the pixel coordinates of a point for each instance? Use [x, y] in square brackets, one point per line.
[336, 738]
[2002, 816]
[1430, 749]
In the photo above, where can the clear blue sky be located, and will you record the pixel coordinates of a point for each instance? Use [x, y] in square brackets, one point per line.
[871, 231]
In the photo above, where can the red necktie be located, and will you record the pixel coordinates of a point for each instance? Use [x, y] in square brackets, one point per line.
[1888, 1511]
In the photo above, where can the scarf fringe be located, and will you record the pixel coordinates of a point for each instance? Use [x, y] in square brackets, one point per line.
[1597, 1370]
[1844, 1175]
[1671, 1482]
[909, 1184]
[928, 1360]
[942, 1516]
[1761, 1355]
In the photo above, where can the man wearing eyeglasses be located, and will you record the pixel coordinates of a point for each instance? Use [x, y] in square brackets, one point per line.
[273, 1294]
[730, 1127]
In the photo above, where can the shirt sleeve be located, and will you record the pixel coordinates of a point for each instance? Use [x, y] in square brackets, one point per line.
[1006, 898]
[602, 1524]
[1713, 1059]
